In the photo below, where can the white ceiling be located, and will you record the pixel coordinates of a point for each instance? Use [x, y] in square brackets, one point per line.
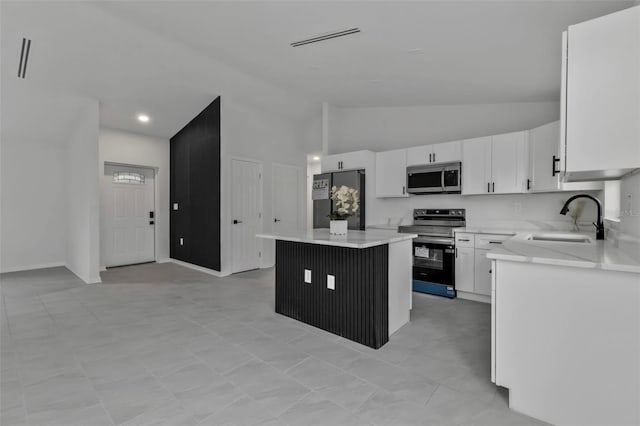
[155, 56]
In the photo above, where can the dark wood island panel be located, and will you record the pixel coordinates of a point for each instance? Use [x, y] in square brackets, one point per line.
[358, 307]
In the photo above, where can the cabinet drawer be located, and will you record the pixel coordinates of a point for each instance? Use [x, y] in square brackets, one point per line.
[489, 241]
[464, 239]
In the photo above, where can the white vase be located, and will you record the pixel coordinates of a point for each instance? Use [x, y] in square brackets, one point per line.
[338, 227]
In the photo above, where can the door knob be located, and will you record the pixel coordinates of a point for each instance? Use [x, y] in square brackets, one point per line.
[235, 221]
[276, 220]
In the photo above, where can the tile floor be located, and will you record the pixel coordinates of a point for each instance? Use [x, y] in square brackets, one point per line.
[159, 344]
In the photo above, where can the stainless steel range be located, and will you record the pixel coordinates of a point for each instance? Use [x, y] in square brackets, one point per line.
[434, 249]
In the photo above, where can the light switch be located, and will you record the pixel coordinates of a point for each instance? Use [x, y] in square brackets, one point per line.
[175, 206]
[331, 282]
[181, 241]
[307, 276]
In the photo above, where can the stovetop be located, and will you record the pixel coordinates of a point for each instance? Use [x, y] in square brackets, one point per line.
[435, 222]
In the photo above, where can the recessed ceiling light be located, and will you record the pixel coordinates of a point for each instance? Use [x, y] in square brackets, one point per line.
[316, 158]
[375, 81]
[143, 118]
[415, 50]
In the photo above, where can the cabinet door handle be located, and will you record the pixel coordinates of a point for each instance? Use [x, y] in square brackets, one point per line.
[488, 187]
[235, 221]
[495, 242]
[403, 189]
[434, 157]
[430, 157]
[463, 240]
[553, 166]
[528, 184]
[493, 187]
[276, 220]
[456, 252]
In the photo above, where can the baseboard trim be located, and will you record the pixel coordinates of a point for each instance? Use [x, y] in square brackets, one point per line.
[195, 267]
[33, 267]
[473, 296]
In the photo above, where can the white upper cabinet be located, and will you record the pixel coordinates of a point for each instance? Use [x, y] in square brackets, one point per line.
[391, 173]
[419, 155]
[509, 154]
[495, 164]
[476, 166]
[543, 153]
[544, 162]
[446, 152]
[348, 161]
[601, 97]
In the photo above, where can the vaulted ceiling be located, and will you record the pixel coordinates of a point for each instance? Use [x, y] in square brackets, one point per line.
[157, 56]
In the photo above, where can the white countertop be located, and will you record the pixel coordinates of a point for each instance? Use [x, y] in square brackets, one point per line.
[594, 254]
[513, 227]
[353, 239]
[486, 230]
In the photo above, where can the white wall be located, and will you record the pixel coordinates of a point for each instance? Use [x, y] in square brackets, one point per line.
[250, 132]
[384, 128]
[117, 146]
[83, 196]
[313, 168]
[33, 208]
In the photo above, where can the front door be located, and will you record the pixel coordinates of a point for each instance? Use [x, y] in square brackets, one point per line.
[245, 214]
[128, 226]
[286, 197]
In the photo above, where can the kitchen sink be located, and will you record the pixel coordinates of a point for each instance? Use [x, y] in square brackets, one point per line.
[559, 238]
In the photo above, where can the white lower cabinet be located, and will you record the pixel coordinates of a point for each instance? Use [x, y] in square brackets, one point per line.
[465, 269]
[473, 269]
[482, 272]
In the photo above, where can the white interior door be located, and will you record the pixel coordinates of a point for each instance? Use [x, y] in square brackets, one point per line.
[128, 231]
[286, 197]
[245, 214]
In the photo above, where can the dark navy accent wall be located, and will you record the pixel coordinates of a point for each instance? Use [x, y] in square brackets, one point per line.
[358, 308]
[195, 186]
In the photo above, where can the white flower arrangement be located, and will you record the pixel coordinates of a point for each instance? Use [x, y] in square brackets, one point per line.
[347, 202]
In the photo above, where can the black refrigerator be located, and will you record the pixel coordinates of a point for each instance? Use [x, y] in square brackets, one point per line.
[321, 196]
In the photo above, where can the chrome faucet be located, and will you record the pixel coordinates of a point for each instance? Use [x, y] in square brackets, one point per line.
[600, 224]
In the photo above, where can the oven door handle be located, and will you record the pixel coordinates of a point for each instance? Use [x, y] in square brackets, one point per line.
[434, 240]
[442, 179]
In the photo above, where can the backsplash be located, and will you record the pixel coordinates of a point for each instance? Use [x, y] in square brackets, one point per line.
[630, 204]
[517, 210]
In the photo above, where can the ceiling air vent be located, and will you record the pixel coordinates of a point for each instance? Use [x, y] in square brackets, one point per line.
[24, 58]
[327, 36]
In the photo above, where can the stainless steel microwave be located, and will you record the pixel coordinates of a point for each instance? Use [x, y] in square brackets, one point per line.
[442, 178]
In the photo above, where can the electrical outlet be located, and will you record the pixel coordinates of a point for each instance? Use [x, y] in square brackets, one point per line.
[307, 276]
[175, 206]
[331, 282]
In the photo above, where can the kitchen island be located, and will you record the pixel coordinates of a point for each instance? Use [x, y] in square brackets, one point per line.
[357, 286]
[566, 328]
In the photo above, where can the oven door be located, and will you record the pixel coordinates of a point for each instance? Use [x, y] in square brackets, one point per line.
[421, 180]
[433, 260]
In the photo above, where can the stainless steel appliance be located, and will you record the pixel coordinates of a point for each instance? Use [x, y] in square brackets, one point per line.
[434, 249]
[441, 178]
[321, 196]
